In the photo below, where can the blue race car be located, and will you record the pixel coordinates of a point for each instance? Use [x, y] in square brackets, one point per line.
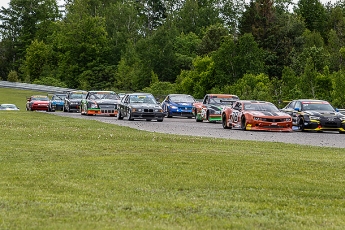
[57, 102]
[179, 105]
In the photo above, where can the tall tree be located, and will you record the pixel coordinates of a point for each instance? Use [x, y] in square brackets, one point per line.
[21, 23]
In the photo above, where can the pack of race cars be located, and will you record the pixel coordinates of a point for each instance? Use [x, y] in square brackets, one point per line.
[227, 109]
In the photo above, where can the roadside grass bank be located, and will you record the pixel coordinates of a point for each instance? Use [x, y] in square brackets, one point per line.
[65, 173]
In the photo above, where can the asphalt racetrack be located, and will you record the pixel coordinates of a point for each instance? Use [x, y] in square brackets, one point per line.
[185, 126]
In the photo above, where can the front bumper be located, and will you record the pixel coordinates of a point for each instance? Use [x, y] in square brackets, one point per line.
[269, 126]
[325, 124]
[180, 113]
[147, 115]
[40, 107]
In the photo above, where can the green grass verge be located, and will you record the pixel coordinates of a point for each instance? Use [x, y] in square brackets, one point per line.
[65, 173]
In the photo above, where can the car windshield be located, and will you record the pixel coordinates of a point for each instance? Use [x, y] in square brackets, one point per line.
[111, 96]
[317, 106]
[77, 96]
[182, 98]
[149, 99]
[8, 106]
[39, 99]
[222, 100]
[58, 97]
[260, 107]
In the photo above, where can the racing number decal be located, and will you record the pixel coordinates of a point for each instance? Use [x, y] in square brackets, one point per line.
[203, 113]
[234, 116]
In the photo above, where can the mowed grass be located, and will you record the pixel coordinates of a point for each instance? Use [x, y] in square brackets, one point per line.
[65, 173]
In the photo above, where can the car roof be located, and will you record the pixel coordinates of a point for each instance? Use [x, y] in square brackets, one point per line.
[310, 100]
[178, 94]
[101, 91]
[39, 96]
[221, 95]
[139, 94]
[255, 101]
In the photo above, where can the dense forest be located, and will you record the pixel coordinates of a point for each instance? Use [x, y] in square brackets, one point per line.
[263, 49]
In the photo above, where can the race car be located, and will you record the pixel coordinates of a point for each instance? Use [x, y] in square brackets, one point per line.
[73, 99]
[256, 115]
[37, 102]
[141, 106]
[57, 102]
[211, 107]
[100, 102]
[179, 105]
[315, 115]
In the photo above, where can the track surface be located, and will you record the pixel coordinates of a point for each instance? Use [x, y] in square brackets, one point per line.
[185, 126]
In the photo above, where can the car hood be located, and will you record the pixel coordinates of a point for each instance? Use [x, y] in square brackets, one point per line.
[182, 103]
[40, 102]
[106, 101]
[75, 100]
[146, 105]
[323, 113]
[267, 113]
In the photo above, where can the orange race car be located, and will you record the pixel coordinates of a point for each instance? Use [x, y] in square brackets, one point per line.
[256, 115]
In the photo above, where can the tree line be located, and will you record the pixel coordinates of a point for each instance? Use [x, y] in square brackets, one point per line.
[261, 49]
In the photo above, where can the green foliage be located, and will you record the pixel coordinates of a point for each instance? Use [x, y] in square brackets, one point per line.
[50, 81]
[160, 89]
[338, 95]
[252, 87]
[13, 76]
[38, 56]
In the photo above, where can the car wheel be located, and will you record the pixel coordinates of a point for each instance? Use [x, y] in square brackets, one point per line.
[160, 120]
[243, 124]
[129, 115]
[342, 132]
[197, 118]
[119, 115]
[301, 125]
[224, 122]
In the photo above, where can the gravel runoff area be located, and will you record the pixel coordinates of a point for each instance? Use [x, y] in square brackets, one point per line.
[185, 126]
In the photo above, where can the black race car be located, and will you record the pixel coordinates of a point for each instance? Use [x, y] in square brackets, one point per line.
[315, 115]
[140, 106]
[73, 100]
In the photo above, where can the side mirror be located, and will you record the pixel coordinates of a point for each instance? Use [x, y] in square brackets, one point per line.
[297, 109]
[336, 109]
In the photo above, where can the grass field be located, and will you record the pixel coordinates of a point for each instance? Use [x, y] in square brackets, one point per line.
[65, 173]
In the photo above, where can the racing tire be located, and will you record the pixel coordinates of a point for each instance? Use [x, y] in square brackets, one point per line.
[342, 132]
[224, 123]
[243, 124]
[197, 119]
[301, 125]
[160, 120]
[129, 115]
[119, 115]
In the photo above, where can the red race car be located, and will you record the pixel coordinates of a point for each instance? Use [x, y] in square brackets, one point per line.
[37, 102]
[256, 115]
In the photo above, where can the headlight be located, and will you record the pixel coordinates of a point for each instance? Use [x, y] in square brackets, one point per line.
[257, 118]
[314, 118]
[139, 110]
[342, 118]
[173, 107]
[158, 110]
[288, 119]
